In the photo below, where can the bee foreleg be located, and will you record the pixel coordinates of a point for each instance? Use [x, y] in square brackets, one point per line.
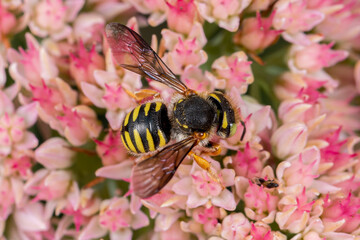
[204, 164]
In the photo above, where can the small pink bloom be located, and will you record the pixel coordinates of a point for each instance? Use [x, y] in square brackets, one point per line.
[181, 15]
[224, 13]
[194, 78]
[88, 28]
[294, 16]
[335, 152]
[51, 17]
[232, 71]
[341, 21]
[49, 185]
[235, 226]
[185, 52]
[248, 163]
[83, 63]
[289, 139]
[259, 203]
[316, 56]
[78, 124]
[200, 188]
[8, 21]
[156, 8]
[7, 199]
[112, 95]
[18, 165]
[343, 211]
[209, 217]
[261, 232]
[111, 150]
[31, 66]
[256, 33]
[300, 169]
[55, 153]
[294, 212]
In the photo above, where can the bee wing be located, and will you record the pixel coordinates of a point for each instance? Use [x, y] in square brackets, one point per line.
[132, 52]
[152, 174]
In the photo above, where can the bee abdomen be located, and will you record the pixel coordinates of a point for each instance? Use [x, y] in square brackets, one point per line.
[146, 128]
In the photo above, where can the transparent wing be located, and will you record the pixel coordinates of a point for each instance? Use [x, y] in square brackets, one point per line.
[132, 52]
[152, 174]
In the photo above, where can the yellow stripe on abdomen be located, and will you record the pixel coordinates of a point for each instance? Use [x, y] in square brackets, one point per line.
[124, 143]
[150, 140]
[147, 108]
[161, 138]
[136, 113]
[224, 123]
[138, 141]
[129, 142]
[126, 121]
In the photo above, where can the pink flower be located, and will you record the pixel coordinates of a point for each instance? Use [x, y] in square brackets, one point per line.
[342, 213]
[224, 13]
[289, 139]
[259, 203]
[255, 34]
[7, 199]
[156, 8]
[49, 185]
[111, 150]
[200, 188]
[31, 66]
[78, 124]
[261, 231]
[88, 28]
[185, 52]
[83, 63]
[315, 56]
[209, 217]
[175, 232]
[300, 169]
[294, 212]
[55, 153]
[294, 16]
[115, 216]
[334, 154]
[232, 71]
[194, 78]
[113, 94]
[18, 165]
[13, 130]
[181, 15]
[235, 226]
[249, 162]
[341, 21]
[8, 21]
[51, 17]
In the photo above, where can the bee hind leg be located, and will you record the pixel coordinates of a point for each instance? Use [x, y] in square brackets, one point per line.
[204, 164]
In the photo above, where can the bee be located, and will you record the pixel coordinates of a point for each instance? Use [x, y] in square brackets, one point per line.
[271, 183]
[190, 120]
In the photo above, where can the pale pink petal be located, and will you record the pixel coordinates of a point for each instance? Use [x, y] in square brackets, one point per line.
[31, 217]
[195, 200]
[29, 113]
[93, 230]
[30, 141]
[225, 200]
[123, 234]
[140, 220]
[118, 171]
[93, 93]
[183, 186]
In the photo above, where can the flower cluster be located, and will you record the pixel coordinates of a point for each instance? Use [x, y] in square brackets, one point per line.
[290, 67]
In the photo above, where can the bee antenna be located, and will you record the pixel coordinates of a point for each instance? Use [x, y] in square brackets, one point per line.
[244, 130]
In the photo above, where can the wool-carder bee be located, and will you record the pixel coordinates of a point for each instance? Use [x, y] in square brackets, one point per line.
[190, 120]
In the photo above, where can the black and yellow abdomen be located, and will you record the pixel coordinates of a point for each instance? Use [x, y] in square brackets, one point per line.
[146, 128]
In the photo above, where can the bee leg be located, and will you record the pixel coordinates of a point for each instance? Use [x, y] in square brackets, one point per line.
[204, 164]
[213, 149]
[142, 94]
